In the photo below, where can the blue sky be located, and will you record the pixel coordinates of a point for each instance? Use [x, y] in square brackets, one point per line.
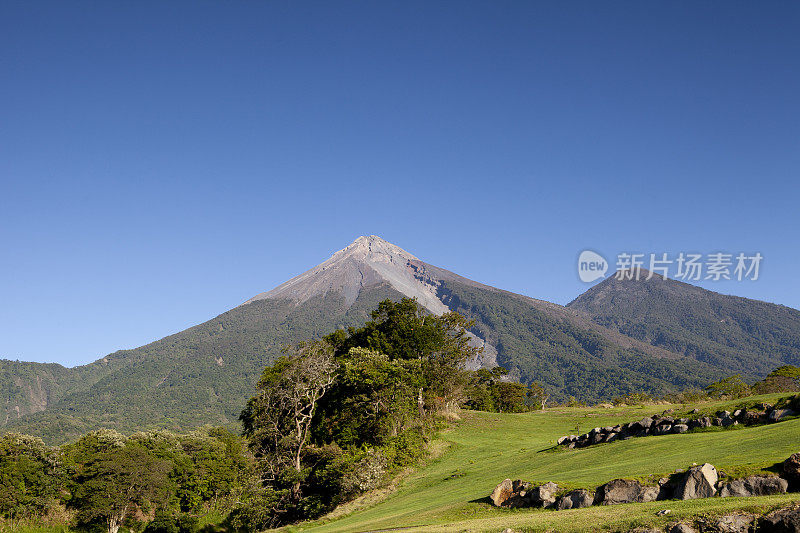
[161, 162]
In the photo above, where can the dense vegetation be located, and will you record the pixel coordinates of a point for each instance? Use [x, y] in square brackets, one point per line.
[105, 481]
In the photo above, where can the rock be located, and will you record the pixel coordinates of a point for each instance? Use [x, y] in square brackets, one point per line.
[735, 523]
[680, 428]
[698, 482]
[716, 421]
[642, 425]
[785, 520]
[695, 411]
[791, 468]
[728, 422]
[663, 512]
[779, 414]
[738, 413]
[705, 421]
[662, 430]
[666, 421]
[502, 492]
[752, 418]
[762, 406]
[723, 414]
[682, 528]
[681, 420]
[612, 437]
[754, 486]
[625, 491]
[563, 440]
[576, 499]
[543, 495]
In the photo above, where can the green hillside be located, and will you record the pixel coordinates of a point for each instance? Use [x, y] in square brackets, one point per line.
[744, 336]
[569, 354]
[203, 375]
[450, 492]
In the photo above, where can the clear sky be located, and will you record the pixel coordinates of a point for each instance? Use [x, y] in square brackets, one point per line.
[161, 162]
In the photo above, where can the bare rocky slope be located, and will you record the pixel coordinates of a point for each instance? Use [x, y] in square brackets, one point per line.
[205, 373]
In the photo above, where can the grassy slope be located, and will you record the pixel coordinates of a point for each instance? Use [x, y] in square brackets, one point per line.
[450, 492]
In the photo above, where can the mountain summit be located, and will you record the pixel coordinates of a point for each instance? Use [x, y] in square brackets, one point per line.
[367, 262]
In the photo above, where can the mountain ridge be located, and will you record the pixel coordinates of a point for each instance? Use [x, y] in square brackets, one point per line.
[205, 373]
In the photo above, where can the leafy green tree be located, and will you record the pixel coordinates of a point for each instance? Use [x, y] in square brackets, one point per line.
[374, 399]
[405, 330]
[509, 397]
[730, 387]
[31, 476]
[114, 483]
[785, 378]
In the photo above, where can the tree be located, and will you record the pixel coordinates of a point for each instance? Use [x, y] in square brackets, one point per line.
[374, 399]
[114, 483]
[785, 378]
[509, 396]
[538, 395]
[277, 421]
[31, 476]
[730, 387]
[405, 330]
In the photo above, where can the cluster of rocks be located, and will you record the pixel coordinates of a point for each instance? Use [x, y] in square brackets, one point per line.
[664, 425]
[784, 520]
[699, 481]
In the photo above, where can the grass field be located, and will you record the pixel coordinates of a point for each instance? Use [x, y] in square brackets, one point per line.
[450, 492]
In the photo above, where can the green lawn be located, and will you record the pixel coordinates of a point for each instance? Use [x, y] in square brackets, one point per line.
[449, 493]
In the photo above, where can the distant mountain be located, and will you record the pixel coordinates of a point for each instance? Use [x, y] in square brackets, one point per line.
[735, 334]
[204, 375]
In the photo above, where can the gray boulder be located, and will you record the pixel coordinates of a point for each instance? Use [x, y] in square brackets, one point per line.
[575, 500]
[681, 528]
[641, 425]
[779, 414]
[680, 428]
[625, 491]
[543, 495]
[698, 482]
[734, 523]
[754, 486]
